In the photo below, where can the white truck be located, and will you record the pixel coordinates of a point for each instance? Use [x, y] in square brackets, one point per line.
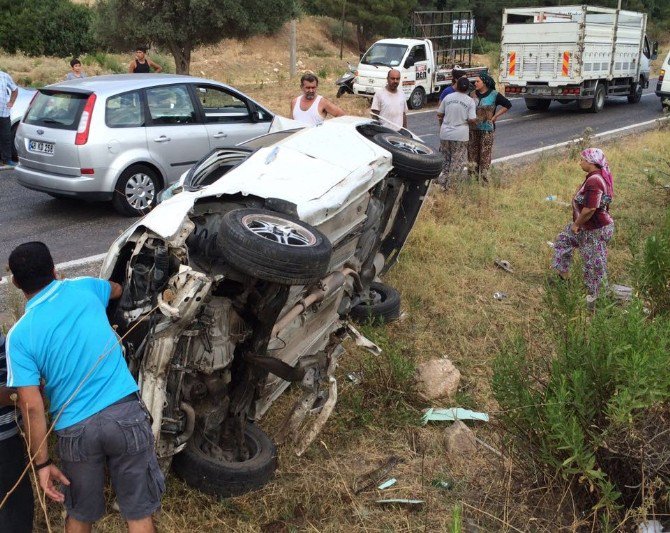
[569, 53]
[443, 42]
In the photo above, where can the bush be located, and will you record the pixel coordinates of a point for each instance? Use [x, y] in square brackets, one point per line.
[581, 413]
[45, 27]
[651, 270]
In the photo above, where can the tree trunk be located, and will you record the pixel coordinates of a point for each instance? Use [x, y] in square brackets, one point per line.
[182, 57]
[362, 41]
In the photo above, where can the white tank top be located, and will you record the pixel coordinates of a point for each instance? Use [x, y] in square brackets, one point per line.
[311, 117]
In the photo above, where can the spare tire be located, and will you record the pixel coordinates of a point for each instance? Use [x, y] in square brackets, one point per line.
[225, 479]
[273, 247]
[412, 159]
[383, 306]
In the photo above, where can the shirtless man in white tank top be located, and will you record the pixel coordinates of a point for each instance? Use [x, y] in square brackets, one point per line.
[310, 108]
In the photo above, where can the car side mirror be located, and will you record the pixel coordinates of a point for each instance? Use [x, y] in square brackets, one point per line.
[654, 50]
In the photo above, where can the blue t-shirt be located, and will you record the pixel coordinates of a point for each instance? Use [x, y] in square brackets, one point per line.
[62, 336]
[447, 91]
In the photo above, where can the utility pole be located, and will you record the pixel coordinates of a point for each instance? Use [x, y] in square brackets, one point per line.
[292, 49]
[344, 9]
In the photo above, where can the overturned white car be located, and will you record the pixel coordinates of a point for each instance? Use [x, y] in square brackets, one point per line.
[241, 283]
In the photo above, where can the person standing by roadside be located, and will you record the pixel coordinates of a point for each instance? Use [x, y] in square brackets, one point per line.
[482, 135]
[456, 111]
[456, 74]
[310, 108]
[142, 64]
[8, 93]
[390, 105]
[592, 226]
[76, 72]
[64, 337]
[16, 515]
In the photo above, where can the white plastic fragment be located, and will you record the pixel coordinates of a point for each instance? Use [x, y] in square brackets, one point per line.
[388, 483]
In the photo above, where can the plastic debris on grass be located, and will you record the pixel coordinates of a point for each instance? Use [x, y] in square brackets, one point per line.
[500, 296]
[402, 502]
[451, 414]
[388, 483]
[376, 476]
[504, 265]
[363, 341]
[442, 484]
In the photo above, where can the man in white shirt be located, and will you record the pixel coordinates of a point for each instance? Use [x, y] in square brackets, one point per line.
[390, 105]
[310, 108]
[455, 113]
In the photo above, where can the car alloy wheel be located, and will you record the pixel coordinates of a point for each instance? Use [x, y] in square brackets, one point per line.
[278, 230]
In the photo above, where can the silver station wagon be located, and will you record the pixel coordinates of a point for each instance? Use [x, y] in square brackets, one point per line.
[125, 137]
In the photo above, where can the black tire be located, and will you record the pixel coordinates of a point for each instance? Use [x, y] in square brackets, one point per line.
[636, 96]
[531, 103]
[412, 159]
[225, 479]
[138, 178]
[249, 242]
[598, 102]
[12, 138]
[384, 308]
[417, 98]
[543, 105]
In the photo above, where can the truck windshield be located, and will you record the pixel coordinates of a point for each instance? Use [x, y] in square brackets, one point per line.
[386, 55]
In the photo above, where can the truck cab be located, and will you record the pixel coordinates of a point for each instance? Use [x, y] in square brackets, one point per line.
[412, 57]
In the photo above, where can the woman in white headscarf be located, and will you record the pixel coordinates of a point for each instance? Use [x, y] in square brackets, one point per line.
[592, 226]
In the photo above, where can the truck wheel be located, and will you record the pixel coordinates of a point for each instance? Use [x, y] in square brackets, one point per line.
[636, 95]
[598, 99]
[273, 247]
[225, 479]
[531, 103]
[417, 98]
[412, 159]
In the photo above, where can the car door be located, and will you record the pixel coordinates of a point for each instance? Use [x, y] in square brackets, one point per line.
[417, 67]
[230, 118]
[176, 136]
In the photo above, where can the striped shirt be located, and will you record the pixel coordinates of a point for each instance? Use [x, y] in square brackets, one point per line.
[8, 427]
[7, 86]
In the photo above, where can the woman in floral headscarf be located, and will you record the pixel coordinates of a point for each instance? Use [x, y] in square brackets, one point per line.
[592, 226]
[490, 106]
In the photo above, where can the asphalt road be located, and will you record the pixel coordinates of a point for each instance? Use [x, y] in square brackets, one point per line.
[74, 229]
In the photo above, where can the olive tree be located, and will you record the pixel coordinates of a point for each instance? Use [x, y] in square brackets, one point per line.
[181, 25]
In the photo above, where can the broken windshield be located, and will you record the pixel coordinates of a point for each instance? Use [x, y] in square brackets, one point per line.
[385, 55]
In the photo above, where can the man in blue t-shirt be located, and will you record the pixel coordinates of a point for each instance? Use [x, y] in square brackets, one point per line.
[456, 74]
[65, 339]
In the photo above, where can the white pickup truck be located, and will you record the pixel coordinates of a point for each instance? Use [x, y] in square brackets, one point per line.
[569, 53]
[444, 41]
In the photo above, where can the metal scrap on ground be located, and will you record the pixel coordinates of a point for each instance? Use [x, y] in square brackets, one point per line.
[375, 477]
[401, 501]
[451, 414]
[504, 264]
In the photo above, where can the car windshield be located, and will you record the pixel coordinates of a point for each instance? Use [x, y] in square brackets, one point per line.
[386, 55]
[211, 167]
[58, 110]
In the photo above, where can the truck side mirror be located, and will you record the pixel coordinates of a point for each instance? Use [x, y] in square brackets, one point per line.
[654, 50]
[409, 62]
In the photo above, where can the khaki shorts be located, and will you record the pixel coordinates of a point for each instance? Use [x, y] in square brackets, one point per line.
[118, 437]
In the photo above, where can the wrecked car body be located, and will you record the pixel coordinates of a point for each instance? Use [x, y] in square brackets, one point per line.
[242, 280]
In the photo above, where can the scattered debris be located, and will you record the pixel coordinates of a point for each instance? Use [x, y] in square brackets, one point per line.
[355, 377]
[551, 198]
[388, 483]
[459, 439]
[621, 292]
[504, 264]
[500, 296]
[363, 341]
[402, 501]
[551, 244]
[442, 484]
[490, 448]
[437, 378]
[451, 414]
[650, 526]
[375, 477]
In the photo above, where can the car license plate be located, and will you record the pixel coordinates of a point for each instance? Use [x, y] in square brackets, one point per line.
[41, 147]
[370, 90]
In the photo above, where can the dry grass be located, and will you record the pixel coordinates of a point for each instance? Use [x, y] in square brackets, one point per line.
[447, 277]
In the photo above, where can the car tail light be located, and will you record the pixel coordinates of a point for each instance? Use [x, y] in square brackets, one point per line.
[87, 171]
[661, 75]
[85, 122]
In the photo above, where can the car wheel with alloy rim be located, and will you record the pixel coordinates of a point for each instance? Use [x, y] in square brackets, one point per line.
[136, 191]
